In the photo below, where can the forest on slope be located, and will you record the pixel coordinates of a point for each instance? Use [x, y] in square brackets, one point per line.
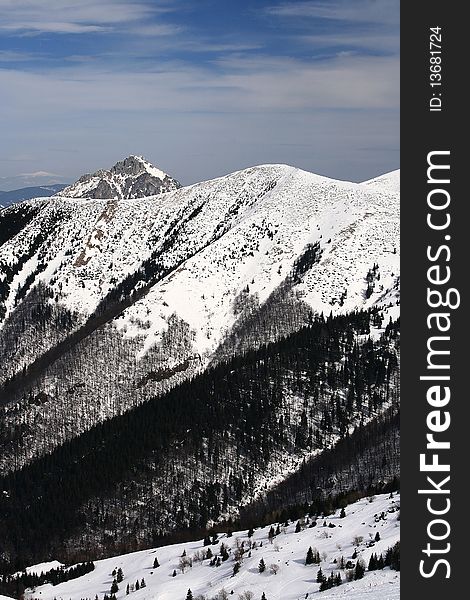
[220, 440]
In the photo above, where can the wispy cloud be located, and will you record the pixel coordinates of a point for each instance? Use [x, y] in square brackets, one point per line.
[358, 11]
[62, 16]
[202, 88]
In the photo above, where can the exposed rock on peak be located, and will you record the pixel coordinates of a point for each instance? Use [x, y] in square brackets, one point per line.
[133, 177]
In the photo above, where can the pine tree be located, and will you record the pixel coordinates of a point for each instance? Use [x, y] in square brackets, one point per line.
[320, 576]
[156, 564]
[250, 532]
[262, 566]
[127, 590]
[114, 587]
[298, 528]
[209, 553]
[207, 541]
[342, 514]
[309, 559]
[372, 562]
[189, 595]
[223, 552]
[359, 570]
[377, 537]
[271, 534]
[137, 585]
[236, 568]
[119, 575]
[263, 597]
[174, 573]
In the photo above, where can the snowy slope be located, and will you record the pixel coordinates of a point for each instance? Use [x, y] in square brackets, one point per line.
[133, 177]
[191, 256]
[247, 228]
[390, 182]
[293, 581]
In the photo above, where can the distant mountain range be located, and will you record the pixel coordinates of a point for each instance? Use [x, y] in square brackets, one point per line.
[26, 193]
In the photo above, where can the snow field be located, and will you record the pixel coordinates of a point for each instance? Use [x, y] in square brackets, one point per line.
[293, 581]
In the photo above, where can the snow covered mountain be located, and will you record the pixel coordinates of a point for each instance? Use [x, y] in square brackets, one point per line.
[133, 177]
[370, 526]
[154, 291]
[189, 356]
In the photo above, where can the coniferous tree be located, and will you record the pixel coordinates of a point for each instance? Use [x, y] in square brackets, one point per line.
[189, 595]
[156, 564]
[114, 587]
[271, 533]
[262, 566]
[359, 570]
[342, 514]
[310, 559]
[119, 575]
[298, 528]
[320, 576]
[236, 568]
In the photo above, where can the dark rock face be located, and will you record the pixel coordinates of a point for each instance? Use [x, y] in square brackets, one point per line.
[133, 177]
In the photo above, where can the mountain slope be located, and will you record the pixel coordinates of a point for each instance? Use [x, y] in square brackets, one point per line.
[291, 580]
[155, 289]
[133, 177]
[324, 400]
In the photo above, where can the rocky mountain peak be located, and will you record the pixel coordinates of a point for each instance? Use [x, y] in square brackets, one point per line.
[133, 177]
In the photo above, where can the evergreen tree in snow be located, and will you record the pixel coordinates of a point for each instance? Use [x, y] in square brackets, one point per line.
[320, 576]
[262, 566]
[309, 559]
[189, 595]
[156, 564]
[359, 570]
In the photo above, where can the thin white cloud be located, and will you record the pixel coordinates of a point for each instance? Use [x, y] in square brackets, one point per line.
[38, 174]
[366, 11]
[239, 83]
[61, 16]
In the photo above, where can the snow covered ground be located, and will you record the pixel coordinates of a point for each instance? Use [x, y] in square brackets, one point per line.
[293, 581]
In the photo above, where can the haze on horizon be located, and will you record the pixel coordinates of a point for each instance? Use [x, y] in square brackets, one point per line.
[199, 89]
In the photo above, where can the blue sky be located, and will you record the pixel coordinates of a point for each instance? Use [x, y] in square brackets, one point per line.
[199, 88]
